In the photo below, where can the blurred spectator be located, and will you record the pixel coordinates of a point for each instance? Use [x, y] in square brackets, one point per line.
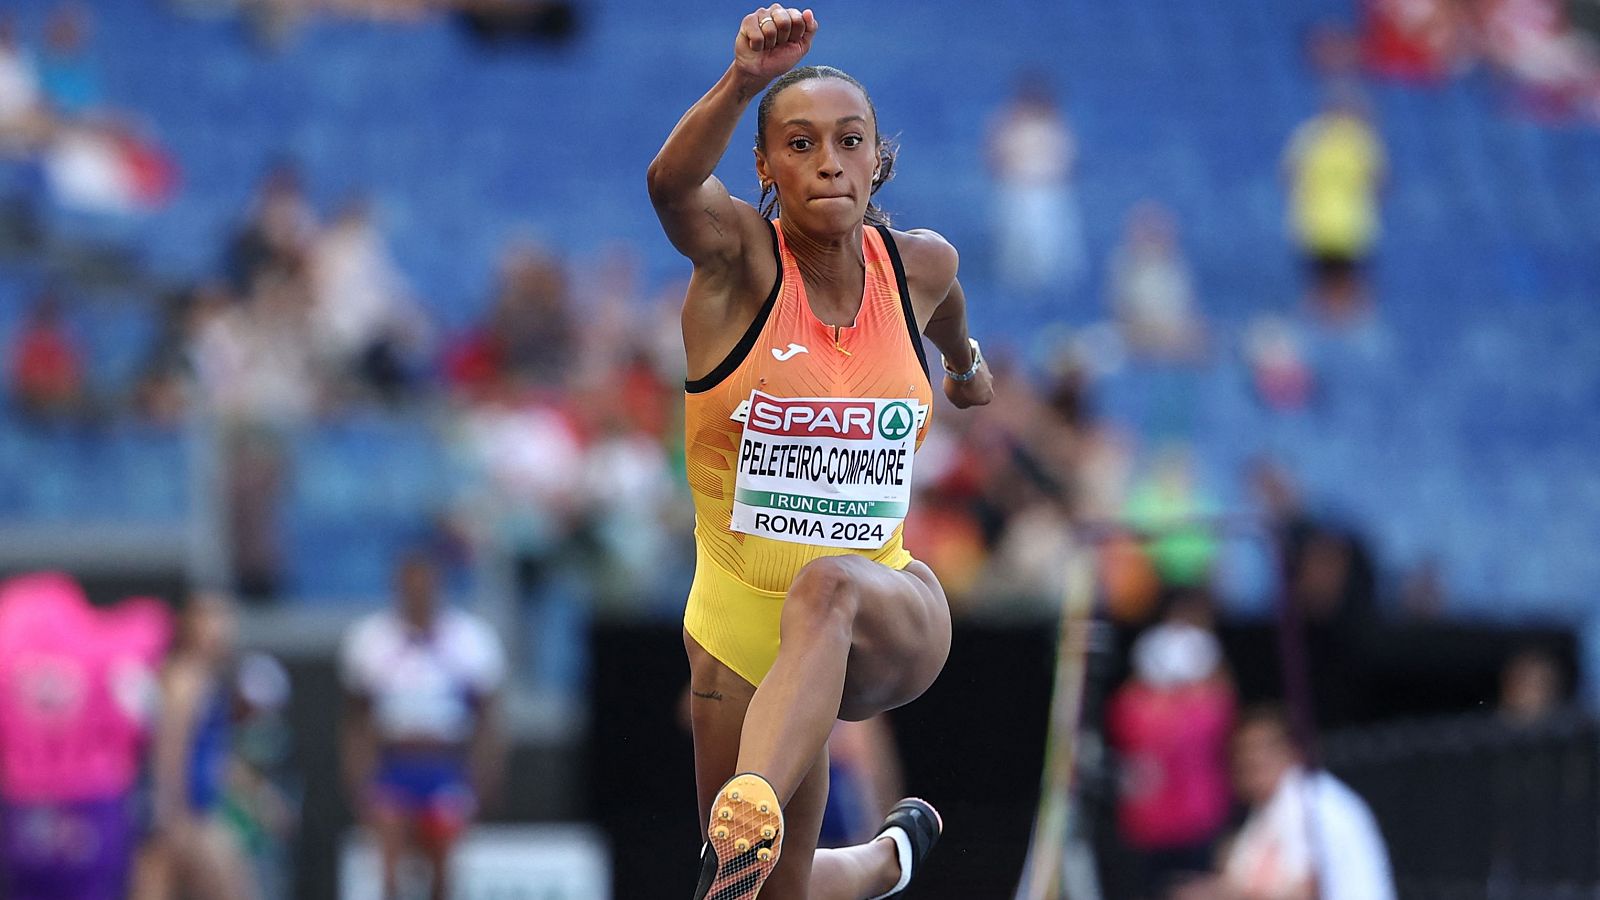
[1334, 54]
[46, 368]
[23, 121]
[368, 327]
[277, 232]
[500, 21]
[529, 335]
[1277, 364]
[262, 809]
[942, 528]
[1532, 688]
[525, 465]
[1170, 723]
[631, 496]
[1329, 575]
[1282, 378]
[1128, 579]
[381, 10]
[1422, 590]
[254, 370]
[1555, 67]
[193, 761]
[1335, 167]
[1168, 507]
[108, 168]
[1414, 40]
[421, 740]
[1023, 456]
[67, 70]
[77, 696]
[864, 781]
[1307, 835]
[272, 23]
[1152, 288]
[1535, 718]
[1038, 225]
[162, 393]
[254, 361]
[529, 494]
[615, 332]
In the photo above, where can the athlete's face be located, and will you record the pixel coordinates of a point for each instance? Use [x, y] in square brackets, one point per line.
[820, 150]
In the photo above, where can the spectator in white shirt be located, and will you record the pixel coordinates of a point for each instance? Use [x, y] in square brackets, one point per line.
[1308, 836]
[421, 743]
[23, 120]
[368, 326]
[1038, 225]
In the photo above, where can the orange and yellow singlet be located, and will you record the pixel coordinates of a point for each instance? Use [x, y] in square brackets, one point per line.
[800, 445]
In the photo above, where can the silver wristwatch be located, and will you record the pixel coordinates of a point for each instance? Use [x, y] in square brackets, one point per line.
[968, 375]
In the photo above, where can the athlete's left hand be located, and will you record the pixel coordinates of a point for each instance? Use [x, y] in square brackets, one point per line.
[977, 392]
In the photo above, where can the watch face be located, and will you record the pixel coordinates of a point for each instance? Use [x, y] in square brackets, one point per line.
[969, 374]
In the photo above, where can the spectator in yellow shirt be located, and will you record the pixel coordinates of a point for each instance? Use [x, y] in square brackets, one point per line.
[1335, 167]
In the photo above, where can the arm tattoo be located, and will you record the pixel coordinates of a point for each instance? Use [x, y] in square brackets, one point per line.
[707, 695]
[715, 222]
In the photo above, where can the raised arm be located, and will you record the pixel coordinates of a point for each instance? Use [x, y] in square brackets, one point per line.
[701, 219]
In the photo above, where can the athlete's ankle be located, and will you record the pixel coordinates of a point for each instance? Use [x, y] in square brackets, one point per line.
[888, 869]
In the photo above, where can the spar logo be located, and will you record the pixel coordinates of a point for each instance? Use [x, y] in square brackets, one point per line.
[843, 419]
[896, 421]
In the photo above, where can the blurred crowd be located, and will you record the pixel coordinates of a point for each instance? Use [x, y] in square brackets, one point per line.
[144, 754]
[90, 156]
[274, 23]
[1547, 51]
[560, 402]
[1214, 801]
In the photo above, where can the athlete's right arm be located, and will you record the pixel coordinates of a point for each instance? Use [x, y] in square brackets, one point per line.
[707, 225]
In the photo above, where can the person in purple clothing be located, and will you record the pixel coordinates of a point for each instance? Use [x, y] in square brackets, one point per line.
[77, 689]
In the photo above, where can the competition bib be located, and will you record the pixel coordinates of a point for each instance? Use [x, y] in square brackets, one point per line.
[827, 471]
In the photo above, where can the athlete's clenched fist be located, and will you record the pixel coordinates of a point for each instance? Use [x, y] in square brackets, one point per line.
[772, 40]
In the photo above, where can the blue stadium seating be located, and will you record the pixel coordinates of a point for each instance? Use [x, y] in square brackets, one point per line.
[1462, 425]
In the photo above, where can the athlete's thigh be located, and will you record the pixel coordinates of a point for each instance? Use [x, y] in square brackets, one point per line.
[718, 698]
[802, 823]
[901, 637]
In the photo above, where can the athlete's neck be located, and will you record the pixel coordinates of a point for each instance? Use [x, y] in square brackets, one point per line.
[834, 268]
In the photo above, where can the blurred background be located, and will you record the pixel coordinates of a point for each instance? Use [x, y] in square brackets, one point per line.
[1294, 311]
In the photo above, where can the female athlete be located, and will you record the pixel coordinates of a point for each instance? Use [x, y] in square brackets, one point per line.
[808, 397]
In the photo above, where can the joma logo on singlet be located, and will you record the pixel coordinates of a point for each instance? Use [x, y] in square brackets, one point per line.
[813, 418]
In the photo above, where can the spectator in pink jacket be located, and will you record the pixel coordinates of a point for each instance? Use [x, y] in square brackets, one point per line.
[1170, 723]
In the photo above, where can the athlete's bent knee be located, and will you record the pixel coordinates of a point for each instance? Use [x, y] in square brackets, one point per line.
[823, 591]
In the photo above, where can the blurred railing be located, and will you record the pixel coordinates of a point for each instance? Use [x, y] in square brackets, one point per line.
[1481, 807]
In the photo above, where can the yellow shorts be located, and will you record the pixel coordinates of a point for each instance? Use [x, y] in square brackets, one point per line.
[736, 623]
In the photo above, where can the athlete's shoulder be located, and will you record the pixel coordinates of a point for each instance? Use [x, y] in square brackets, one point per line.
[929, 258]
